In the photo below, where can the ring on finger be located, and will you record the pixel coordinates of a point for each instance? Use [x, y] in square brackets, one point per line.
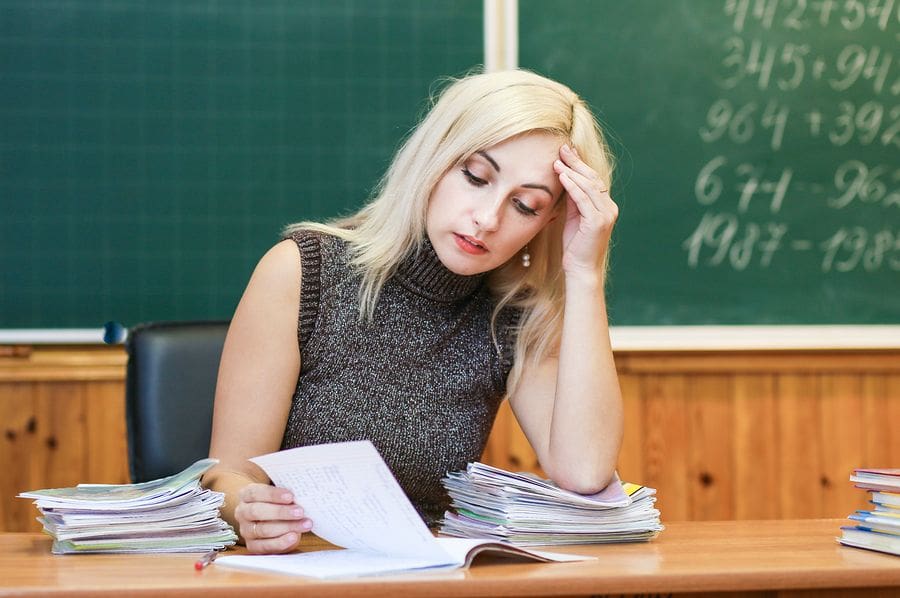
[255, 531]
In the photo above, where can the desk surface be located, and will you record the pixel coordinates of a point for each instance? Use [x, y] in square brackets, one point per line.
[732, 556]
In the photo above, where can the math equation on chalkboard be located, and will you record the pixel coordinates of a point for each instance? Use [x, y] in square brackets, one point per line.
[835, 106]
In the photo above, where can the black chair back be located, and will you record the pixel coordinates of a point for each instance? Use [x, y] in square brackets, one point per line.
[170, 387]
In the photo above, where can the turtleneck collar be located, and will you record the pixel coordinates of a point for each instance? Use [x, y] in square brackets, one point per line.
[423, 273]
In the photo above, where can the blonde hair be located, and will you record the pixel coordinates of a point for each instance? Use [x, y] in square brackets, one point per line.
[471, 114]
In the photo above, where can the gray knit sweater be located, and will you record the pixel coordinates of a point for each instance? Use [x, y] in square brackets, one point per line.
[422, 381]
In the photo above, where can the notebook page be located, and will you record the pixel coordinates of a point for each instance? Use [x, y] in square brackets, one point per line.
[328, 564]
[353, 499]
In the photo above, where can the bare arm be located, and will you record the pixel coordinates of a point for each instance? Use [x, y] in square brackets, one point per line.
[257, 377]
[570, 408]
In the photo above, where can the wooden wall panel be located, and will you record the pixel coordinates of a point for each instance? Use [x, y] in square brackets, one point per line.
[710, 442]
[841, 440]
[881, 412]
[798, 433]
[753, 436]
[746, 436]
[105, 431]
[58, 434]
[756, 447]
[665, 433]
[62, 410]
[18, 446]
[631, 455]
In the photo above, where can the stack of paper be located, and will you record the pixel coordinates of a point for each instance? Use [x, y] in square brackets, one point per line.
[171, 514]
[525, 510]
[355, 502]
[878, 528]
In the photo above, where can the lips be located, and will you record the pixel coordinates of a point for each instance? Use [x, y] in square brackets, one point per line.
[469, 244]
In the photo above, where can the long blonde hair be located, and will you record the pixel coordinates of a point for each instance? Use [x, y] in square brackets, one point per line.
[471, 114]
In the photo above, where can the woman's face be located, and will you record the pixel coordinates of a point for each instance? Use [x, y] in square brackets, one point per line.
[484, 210]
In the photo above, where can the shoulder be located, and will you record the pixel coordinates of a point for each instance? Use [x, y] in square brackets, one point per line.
[315, 245]
[279, 271]
[280, 260]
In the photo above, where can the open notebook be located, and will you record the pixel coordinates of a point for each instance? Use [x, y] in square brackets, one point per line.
[356, 503]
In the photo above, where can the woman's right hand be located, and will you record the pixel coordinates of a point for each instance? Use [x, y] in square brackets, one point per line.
[268, 519]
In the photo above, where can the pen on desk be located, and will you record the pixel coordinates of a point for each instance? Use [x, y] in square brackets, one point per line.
[206, 560]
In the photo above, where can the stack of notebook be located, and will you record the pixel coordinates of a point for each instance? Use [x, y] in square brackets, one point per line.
[878, 528]
[527, 511]
[173, 514]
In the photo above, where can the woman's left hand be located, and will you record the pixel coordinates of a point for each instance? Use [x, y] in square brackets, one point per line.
[590, 214]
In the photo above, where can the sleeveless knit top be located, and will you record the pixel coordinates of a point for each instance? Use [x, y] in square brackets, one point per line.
[423, 380]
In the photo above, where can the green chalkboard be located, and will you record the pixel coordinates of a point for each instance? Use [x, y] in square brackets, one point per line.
[151, 151]
[759, 152]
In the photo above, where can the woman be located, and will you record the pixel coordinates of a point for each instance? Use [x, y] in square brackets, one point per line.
[476, 272]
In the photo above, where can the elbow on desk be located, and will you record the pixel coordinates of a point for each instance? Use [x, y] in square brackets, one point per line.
[582, 480]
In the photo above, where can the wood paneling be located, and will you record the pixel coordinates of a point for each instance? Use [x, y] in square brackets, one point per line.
[753, 435]
[63, 417]
[755, 447]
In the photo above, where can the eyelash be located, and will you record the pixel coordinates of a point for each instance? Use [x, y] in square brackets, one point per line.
[479, 182]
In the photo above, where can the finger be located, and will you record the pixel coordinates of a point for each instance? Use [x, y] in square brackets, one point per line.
[265, 493]
[597, 210]
[266, 511]
[577, 193]
[262, 530]
[284, 543]
[593, 186]
[569, 157]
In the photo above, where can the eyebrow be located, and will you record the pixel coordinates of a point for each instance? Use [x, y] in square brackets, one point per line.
[487, 157]
[496, 166]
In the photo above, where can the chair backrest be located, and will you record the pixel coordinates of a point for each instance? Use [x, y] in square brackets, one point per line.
[170, 387]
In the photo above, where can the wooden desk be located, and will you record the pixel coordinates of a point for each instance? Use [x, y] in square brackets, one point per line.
[747, 558]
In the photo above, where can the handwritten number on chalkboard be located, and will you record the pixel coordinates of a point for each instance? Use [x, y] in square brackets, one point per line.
[855, 61]
[735, 244]
[723, 234]
[854, 15]
[882, 10]
[868, 121]
[739, 124]
[856, 180]
[859, 247]
[891, 134]
[734, 62]
[793, 56]
[850, 15]
[794, 19]
[708, 186]
[775, 117]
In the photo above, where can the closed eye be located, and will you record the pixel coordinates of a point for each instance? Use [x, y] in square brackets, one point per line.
[477, 181]
[524, 208]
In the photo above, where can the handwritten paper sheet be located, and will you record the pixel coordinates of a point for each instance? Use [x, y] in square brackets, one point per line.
[353, 499]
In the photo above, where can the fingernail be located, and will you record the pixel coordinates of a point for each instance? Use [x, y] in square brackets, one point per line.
[307, 525]
[566, 147]
[287, 497]
[296, 512]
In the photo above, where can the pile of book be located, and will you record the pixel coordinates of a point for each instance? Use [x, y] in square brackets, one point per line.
[525, 510]
[173, 514]
[878, 528]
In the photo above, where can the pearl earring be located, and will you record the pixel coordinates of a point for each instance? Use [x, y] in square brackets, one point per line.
[526, 257]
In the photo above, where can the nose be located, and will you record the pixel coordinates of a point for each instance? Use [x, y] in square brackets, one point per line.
[487, 216]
